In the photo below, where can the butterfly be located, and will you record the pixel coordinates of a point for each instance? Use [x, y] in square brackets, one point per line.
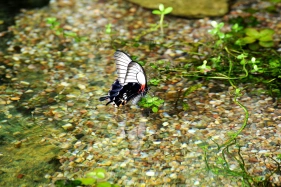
[131, 84]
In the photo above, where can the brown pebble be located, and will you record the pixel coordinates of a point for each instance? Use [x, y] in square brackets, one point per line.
[15, 98]
[133, 9]
[253, 159]
[69, 104]
[83, 111]
[18, 144]
[89, 124]
[20, 176]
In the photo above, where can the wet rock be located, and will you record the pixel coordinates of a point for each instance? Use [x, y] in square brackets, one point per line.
[68, 126]
[189, 8]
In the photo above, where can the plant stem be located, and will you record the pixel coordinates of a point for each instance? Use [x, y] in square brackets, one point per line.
[161, 24]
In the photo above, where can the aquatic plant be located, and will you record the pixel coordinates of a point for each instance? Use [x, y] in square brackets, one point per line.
[95, 178]
[162, 12]
[59, 31]
[232, 59]
[255, 38]
[151, 102]
[108, 29]
[222, 166]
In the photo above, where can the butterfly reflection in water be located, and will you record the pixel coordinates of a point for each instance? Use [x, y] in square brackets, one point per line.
[131, 84]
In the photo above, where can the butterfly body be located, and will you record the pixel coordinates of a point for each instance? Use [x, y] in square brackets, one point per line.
[131, 84]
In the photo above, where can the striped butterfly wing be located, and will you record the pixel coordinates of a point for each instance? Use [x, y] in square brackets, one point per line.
[127, 70]
[122, 62]
[135, 73]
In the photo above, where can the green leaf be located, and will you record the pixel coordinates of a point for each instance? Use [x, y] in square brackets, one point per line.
[70, 34]
[185, 106]
[252, 32]
[83, 38]
[97, 173]
[156, 12]
[239, 42]
[103, 184]
[266, 43]
[274, 64]
[203, 145]
[68, 183]
[266, 32]
[242, 56]
[168, 10]
[243, 62]
[221, 35]
[87, 181]
[219, 42]
[154, 109]
[254, 46]
[220, 25]
[51, 20]
[58, 32]
[247, 40]
[161, 7]
[108, 28]
[266, 38]
[115, 185]
[100, 173]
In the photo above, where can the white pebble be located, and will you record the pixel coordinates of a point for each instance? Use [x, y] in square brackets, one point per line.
[263, 151]
[64, 84]
[191, 131]
[165, 124]
[173, 175]
[196, 183]
[150, 173]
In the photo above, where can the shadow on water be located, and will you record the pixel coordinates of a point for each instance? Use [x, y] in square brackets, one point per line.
[26, 154]
[26, 157]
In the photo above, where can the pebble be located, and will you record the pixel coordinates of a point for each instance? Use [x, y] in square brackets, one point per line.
[150, 173]
[18, 144]
[68, 126]
[263, 151]
[165, 124]
[192, 131]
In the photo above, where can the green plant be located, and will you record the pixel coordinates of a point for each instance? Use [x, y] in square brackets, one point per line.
[95, 178]
[108, 29]
[238, 63]
[54, 25]
[151, 102]
[154, 82]
[59, 31]
[162, 12]
[204, 68]
[68, 183]
[255, 38]
[222, 165]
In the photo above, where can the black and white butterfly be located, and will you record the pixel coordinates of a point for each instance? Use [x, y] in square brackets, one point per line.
[131, 84]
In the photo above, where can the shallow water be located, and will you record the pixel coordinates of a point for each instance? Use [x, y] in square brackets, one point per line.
[53, 127]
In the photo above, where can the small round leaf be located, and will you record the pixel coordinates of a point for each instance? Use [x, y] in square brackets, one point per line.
[168, 10]
[156, 12]
[154, 109]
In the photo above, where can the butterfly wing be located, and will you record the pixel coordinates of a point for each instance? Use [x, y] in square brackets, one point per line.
[127, 70]
[135, 73]
[122, 62]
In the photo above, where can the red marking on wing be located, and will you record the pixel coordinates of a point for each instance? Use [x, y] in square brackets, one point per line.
[142, 88]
